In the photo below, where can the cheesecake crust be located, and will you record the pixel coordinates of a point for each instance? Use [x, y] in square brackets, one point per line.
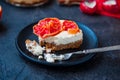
[53, 47]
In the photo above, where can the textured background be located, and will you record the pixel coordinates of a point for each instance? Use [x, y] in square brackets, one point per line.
[104, 66]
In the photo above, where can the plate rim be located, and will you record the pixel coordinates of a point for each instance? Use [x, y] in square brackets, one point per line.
[89, 56]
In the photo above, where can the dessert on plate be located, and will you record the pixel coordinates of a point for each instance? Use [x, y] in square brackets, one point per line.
[27, 2]
[55, 34]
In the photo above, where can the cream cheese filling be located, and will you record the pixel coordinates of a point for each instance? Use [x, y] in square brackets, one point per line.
[64, 38]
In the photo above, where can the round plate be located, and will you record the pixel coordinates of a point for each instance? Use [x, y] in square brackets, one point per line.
[89, 41]
[26, 5]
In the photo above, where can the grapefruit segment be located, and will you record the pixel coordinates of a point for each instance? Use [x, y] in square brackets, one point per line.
[47, 27]
[70, 26]
[73, 31]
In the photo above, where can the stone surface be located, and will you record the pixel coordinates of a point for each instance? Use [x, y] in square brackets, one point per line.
[105, 66]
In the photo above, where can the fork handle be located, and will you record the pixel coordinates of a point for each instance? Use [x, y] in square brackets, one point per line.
[103, 49]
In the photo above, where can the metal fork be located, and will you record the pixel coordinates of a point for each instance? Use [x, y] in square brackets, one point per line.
[87, 51]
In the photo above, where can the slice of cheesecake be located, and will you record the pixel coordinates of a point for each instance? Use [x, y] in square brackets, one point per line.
[55, 34]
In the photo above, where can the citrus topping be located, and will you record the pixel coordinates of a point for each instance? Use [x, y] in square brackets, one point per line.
[47, 27]
[72, 31]
[70, 26]
[52, 26]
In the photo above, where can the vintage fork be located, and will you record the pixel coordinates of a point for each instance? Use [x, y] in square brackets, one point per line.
[87, 51]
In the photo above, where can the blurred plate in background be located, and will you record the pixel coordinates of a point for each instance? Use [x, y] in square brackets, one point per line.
[26, 3]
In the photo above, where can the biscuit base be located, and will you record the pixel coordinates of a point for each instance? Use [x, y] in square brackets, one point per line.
[53, 47]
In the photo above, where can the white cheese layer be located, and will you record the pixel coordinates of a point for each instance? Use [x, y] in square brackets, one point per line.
[64, 38]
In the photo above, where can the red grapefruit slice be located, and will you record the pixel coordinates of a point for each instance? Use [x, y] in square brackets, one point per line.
[70, 26]
[47, 27]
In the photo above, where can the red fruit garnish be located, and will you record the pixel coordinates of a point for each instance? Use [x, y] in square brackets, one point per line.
[118, 3]
[47, 27]
[110, 14]
[70, 26]
[88, 7]
[0, 11]
[111, 6]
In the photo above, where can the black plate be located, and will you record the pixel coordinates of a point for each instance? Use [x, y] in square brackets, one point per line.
[89, 41]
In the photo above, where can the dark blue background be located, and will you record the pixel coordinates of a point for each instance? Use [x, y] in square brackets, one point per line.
[104, 66]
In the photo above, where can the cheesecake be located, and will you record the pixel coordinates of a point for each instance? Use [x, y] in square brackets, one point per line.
[55, 34]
